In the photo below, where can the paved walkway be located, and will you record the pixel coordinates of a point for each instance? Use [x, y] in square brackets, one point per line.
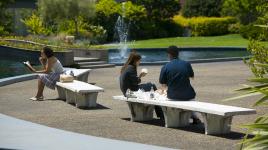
[19, 134]
[213, 82]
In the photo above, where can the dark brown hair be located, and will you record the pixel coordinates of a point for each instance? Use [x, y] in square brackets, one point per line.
[132, 60]
[48, 51]
[173, 51]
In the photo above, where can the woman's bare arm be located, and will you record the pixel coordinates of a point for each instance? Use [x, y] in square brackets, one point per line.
[43, 62]
[48, 67]
[30, 66]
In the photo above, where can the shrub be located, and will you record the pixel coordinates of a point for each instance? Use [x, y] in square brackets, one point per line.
[107, 12]
[210, 26]
[254, 32]
[2, 31]
[99, 34]
[172, 29]
[206, 26]
[68, 26]
[95, 34]
[35, 25]
[181, 20]
[234, 28]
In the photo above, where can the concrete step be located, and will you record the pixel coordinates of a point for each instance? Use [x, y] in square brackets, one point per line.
[91, 63]
[97, 66]
[85, 59]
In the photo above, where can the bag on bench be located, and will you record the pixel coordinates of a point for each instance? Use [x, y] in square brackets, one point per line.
[66, 78]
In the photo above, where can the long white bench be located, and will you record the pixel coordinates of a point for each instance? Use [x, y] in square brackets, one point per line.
[80, 93]
[217, 118]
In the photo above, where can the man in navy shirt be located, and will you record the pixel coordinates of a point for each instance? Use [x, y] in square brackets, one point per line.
[175, 78]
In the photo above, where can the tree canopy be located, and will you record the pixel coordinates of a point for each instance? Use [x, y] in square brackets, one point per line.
[55, 11]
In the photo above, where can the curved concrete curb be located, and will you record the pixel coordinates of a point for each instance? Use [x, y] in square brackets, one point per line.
[20, 134]
[11, 80]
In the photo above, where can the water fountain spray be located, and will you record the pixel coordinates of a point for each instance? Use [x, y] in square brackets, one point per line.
[121, 28]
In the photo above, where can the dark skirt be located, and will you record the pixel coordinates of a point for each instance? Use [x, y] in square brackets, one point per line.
[50, 79]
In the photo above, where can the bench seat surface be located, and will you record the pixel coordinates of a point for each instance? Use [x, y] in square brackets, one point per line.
[77, 72]
[80, 87]
[204, 107]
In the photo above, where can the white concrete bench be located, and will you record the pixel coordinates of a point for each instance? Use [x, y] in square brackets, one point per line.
[79, 74]
[80, 93]
[217, 118]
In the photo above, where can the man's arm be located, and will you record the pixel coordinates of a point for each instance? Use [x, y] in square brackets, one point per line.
[163, 76]
[163, 80]
[191, 72]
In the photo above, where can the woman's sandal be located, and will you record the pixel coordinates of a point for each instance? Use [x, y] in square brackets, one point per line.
[37, 98]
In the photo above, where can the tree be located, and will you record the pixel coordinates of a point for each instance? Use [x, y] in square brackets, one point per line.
[107, 12]
[159, 9]
[194, 8]
[244, 10]
[5, 18]
[35, 25]
[55, 11]
[259, 66]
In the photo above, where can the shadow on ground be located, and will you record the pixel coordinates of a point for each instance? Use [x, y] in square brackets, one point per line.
[200, 129]
[99, 106]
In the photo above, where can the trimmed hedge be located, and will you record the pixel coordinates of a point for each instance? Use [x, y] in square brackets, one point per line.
[206, 26]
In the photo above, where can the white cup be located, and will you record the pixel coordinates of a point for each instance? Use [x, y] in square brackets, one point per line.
[144, 70]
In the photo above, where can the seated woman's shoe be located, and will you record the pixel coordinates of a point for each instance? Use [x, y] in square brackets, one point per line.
[37, 98]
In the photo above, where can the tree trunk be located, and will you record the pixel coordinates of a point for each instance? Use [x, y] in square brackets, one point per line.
[76, 28]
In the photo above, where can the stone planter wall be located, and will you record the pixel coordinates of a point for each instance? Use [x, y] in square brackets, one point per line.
[66, 58]
[101, 54]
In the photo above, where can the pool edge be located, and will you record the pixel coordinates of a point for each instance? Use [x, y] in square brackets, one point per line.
[15, 79]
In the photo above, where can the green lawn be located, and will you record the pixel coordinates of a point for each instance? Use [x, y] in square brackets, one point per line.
[226, 40]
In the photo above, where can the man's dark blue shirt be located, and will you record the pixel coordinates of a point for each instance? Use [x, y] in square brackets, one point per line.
[175, 75]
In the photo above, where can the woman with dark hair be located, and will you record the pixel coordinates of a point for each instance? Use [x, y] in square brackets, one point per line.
[129, 79]
[50, 73]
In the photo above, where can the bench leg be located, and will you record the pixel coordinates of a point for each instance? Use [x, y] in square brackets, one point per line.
[175, 117]
[140, 112]
[61, 93]
[86, 100]
[70, 96]
[215, 124]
